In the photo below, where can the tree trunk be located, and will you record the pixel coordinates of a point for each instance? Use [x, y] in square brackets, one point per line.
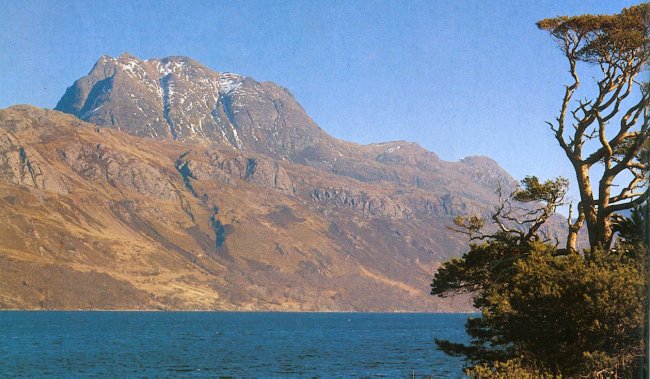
[588, 207]
[572, 239]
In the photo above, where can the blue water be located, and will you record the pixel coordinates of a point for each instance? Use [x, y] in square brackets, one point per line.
[173, 344]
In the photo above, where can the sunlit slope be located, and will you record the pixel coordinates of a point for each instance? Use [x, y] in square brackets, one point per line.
[97, 218]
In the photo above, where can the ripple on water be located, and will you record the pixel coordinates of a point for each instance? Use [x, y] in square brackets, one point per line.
[40, 344]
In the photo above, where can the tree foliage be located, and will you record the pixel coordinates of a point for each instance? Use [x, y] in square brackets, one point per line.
[571, 314]
[610, 129]
[521, 214]
[510, 369]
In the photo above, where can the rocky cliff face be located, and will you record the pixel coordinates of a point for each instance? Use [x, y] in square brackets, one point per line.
[192, 189]
[176, 98]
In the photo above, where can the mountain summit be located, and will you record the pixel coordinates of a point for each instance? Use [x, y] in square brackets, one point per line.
[177, 98]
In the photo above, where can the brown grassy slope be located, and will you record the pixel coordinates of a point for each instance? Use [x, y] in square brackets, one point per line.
[95, 218]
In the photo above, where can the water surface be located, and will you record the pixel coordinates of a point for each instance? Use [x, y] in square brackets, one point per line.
[176, 344]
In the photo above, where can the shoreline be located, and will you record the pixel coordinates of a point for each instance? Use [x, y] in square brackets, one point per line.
[224, 311]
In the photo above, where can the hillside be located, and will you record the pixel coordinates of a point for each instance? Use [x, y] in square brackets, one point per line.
[192, 189]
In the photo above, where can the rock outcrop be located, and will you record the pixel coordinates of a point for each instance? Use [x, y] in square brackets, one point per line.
[101, 163]
[24, 166]
[226, 167]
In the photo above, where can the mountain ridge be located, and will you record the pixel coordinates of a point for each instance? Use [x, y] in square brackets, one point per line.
[192, 219]
[301, 139]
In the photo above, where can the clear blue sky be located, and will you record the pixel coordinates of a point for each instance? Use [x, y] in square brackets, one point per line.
[459, 77]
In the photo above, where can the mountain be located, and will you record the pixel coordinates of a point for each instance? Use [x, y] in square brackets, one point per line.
[180, 99]
[176, 98]
[170, 186]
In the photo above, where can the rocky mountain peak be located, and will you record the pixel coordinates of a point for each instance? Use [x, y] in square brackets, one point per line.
[177, 98]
